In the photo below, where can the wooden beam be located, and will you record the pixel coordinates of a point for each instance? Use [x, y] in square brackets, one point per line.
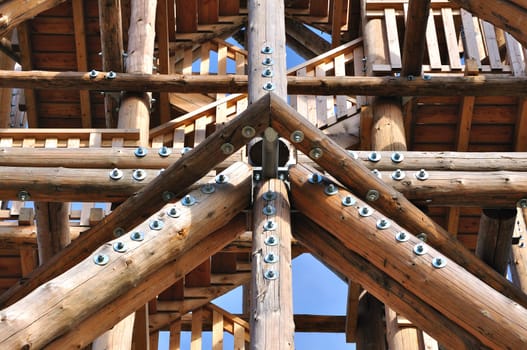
[336, 26]
[53, 229]
[339, 163]
[481, 85]
[445, 289]
[174, 180]
[520, 141]
[329, 249]
[371, 330]
[272, 325]
[352, 311]
[506, 14]
[54, 306]
[307, 38]
[414, 41]
[26, 61]
[518, 262]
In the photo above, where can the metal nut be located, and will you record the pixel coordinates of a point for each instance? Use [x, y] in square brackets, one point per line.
[139, 174]
[398, 175]
[23, 195]
[377, 173]
[315, 178]
[267, 50]
[372, 195]
[140, 152]
[268, 61]
[439, 262]
[156, 225]
[421, 175]
[208, 188]
[331, 190]
[164, 151]
[270, 274]
[397, 157]
[348, 201]
[119, 247]
[316, 152]
[221, 179]
[297, 136]
[402, 236]
[271, 241]
[383, 224]
[116, 174]
[110, 75]
[420, 249]
[248, 131]
[365, 211]
[101, 259]
[374, 157]
[269, 210]
[267, 73]
[137, 236]
[269, 195]
[269, 225]
[188, 200]
[174, 212]
[93, 74]
[118, 232]
[269, 86]
[271, 258]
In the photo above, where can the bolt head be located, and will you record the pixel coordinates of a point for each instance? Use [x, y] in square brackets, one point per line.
[397, 157]
[269, 225]
[270, 274]
[164, 151]
[316, 153]
[174, 212]
[139, 174]
[372, 195]
[374, 157]
[23, 195]
[188, 200]
[221, 179]
[248, 131]
[271, 240]
[420, 249]
[315, 178]
[348, 201]
[401, 236]
[118, 232]
[439, 262]
[365, 211]
[268, 86]
[271, 258]
[268, 61]
[297, 136]
[101, 259]
[137, 236]
[227, 148]
[156, 225]
[140, 152]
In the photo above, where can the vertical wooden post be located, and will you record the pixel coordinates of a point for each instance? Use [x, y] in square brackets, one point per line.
[266, 41]
[370, 327]
[272, 324]
[519, 252]
[53, 229]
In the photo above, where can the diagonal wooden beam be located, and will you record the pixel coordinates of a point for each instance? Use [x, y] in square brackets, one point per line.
[414, 39]
[112, 270]
[500, 323]
[359, 179]
[172, 182]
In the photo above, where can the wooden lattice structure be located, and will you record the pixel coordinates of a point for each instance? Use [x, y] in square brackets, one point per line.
[155, 155]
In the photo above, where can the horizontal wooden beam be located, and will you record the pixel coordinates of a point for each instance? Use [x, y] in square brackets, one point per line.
[330, 250]
[60, 304]
[352, 174]
[500, 323]
[172, 182]
[481, 85]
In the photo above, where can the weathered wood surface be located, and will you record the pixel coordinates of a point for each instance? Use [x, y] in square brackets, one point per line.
[414, 40]
[47, 312]
[359, 179]
[137, 208]
[518, 260]
[481, 85]
[272, 325]
[53, 228]
[330, 250]
[444, 289]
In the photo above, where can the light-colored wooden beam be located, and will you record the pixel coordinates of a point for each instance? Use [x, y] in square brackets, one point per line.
[24, 41]
[336, 22]
[352, 311]
[172, 182]
[446, 287]
[353, 175]
[414, 40]
[518, 262]
[329, 249]
[306, 38]
[480, 85]
[272, 324]
[53, 229]
[112, 273]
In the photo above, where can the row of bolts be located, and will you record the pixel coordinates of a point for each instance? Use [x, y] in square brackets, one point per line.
[383, 223]
[156, 225]
[271, 240]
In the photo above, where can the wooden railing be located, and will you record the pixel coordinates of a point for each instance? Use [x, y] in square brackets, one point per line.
[453, 36]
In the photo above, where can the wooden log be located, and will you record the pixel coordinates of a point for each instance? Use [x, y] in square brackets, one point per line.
[54, 308]
[354, 176]
[481, 85]
[174, 180]
[329, 249]
[518, 262]
[414, 40]
[15, 237]
[495, 236]
[500, 323]
[371, 330]
[388, 126]
[53, 229]
[272, 324]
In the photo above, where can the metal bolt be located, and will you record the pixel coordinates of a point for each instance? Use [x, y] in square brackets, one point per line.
[269, 210]
[156, 225]
[353, 154]
[248, 131]
[377, 173]
[140, 152]
[268, 61]
[421, 175]
[397, 157]
[271, 241]
[316, 152]
[270, 274]
[174, 212]
[420, 249]
[268, 86]
[188, 200]
[410, 77]
[186, 149]
[348, 201]
[137, 236]
[23, 195]
[331, 190]
[168, 196]
[522, 203]
[93, 74]
[139, 174]
[110, 75]
[271, 258]
[297, 136]
[227, 148]
[422, 236]
[398, 175]
[118, 232]
[383, 224]
[315, 178]
[101, 259]
[164, 151]
[116, 174]
[372, 195]
[438, 262]
[365, 211]
[221, 179]
[401, 236]
[374, 157]
[267, 50]
[267, 73]
[119, 247]
[208, 188]
[269, 195]
[257, 176]
[427, 77]
[269, 225]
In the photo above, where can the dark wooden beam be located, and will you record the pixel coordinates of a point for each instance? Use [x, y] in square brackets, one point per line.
[414, 37]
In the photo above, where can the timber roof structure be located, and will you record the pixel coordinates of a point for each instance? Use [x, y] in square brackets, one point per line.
[132, 164]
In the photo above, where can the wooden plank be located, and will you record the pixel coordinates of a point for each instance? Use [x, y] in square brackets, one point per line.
[451, 38]
[414, 40]
[221, 113]
[318, 8]
[239, 337]
[469, 38]
[514, 55]
[352, 311]
[24, 41]
[393, 38]
[217, 331]
[325, 108]
[207, 11]
[434, 56]
[337, 19]
[186, 23]
[229, 7]
[341, 100]
[520, 139]
[491, 44]
[195, 337]
[175, 335]
[163, 37]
